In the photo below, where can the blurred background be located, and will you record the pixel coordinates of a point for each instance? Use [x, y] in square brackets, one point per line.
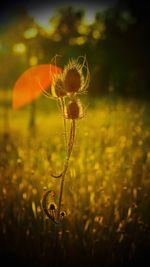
[114, 35]
[107, 187]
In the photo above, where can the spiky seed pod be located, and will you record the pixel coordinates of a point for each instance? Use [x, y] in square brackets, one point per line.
[76, 76]
[62, 214]
[74, 109]
[72, 80]
[57, 88]
[52, 206]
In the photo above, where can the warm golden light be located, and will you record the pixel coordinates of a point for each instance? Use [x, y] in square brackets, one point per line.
[96, 34]
[33, 61]
[79, 40]
[19, 48]
[30, 33]
[83, 29]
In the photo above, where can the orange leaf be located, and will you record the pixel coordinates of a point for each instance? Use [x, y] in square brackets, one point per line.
[30, 84]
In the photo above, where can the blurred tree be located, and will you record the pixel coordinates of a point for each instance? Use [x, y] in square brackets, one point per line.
[66, 37]
[15, 49]
[123, 51]
[20, 51]
[116, 46]
[68, 21]
[138, 43]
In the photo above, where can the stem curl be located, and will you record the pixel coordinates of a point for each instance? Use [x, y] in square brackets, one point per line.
[55, 215]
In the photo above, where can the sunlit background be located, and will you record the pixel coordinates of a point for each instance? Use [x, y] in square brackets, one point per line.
[106, 194]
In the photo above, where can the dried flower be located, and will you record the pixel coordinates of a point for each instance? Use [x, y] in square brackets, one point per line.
[52, 206]
[57, 88]
[74, 110]
[75, 80]
[72, 80]
[62, 214]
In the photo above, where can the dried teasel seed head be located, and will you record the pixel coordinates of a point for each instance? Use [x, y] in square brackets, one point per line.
[76, 76]
[72, 80]
[74, 110]
[57, 88]
[63, 214]
[52, 206]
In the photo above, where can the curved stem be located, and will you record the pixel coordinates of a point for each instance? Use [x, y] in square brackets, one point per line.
[44, 205]
[55, 217]
[69, 150]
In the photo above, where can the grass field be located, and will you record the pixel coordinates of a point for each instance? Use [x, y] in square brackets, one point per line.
[107, 187]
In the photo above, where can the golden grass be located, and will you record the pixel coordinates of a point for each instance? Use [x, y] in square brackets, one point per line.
[106, 194]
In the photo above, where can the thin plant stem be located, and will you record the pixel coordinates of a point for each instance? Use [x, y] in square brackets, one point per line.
[66, 164]
[62, 105]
